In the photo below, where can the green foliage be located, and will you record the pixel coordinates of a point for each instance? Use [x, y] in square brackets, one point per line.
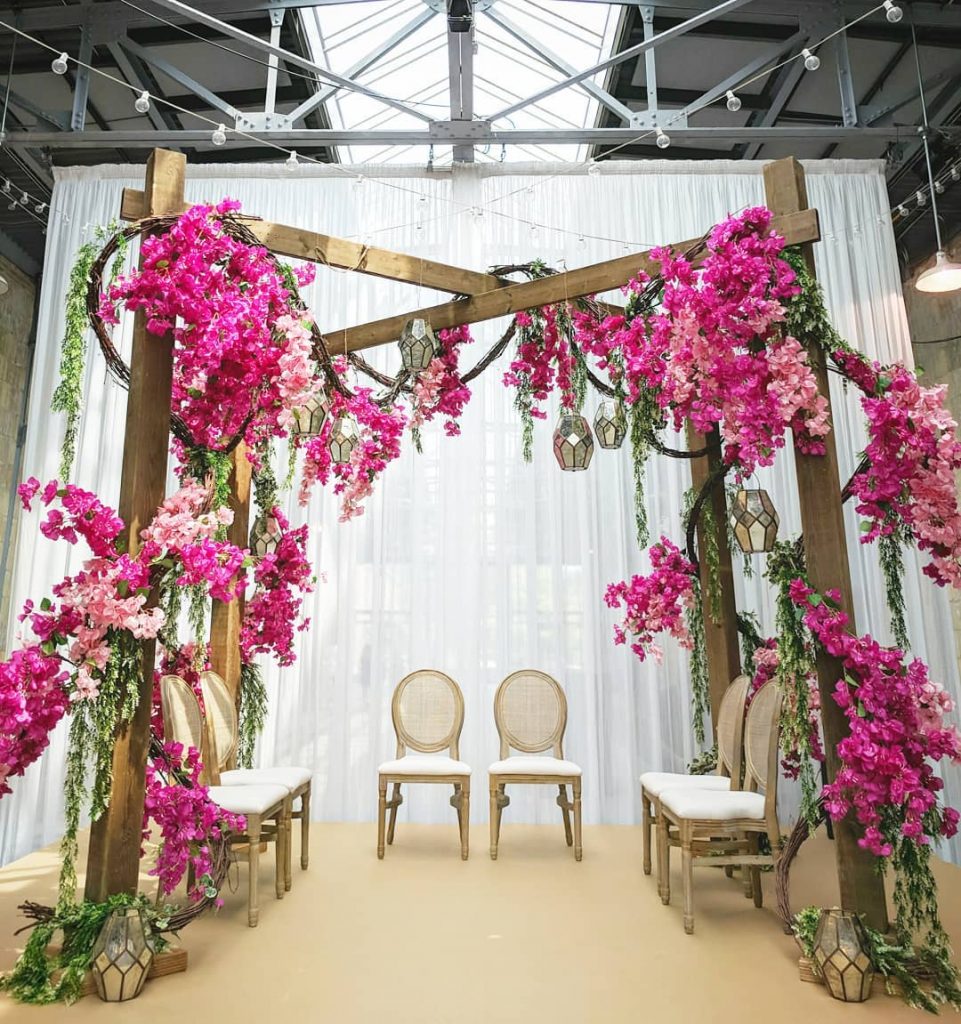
[265, 481]
[891, 552]
[926, 977]
[807, 317]
[712, 559]
[747, 561]
[204, 463]
[749, 631]
[805, 927]
[644, 415]
[40, 978]
[705, 763]
[253, 713]
[700, 691]
[524, 395]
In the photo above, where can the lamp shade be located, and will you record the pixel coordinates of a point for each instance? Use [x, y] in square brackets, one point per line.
[944, 276]
[840, 952]
[418, 346]
[610, 424]
[264, 536]
[121, 956]
[343, 438]
[308, 419]
[573, 442]
[754, 521]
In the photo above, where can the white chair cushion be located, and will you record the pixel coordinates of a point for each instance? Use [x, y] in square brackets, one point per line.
[534, 764]
[656, 782]
[248, 799]
[424, 764]
[289, 778]
[712, 805]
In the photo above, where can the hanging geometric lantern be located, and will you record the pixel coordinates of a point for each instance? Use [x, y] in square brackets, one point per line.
[840, 952]
[121, 956]
[265, 535]
[343, 438]
[610, 424]
[309, 418]
[754, 521]
[418, 346]
[573, 443]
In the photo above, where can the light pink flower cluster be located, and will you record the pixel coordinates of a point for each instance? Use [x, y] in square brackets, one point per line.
[895, 714]
[544, 359]
[272, 615]
[242, 356]
[187, 819]
[913, 454]
[439, 390]
[655, 603]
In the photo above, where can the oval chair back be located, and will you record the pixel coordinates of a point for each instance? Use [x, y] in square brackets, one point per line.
[222, 713]
[428, 713]
[762, 729]
[730, 730]
[184, 723]
[530, 711]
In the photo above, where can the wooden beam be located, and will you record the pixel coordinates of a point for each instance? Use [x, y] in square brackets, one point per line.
[720, 637]
[300, 244]
[113, 863]
[797, 227]
[825, 549]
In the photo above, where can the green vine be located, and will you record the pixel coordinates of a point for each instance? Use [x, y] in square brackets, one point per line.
[700, 691]
[640, 429]
[265, 482]
[704, 764]
[204, 463]
[253, 713]
[747, 562]
[712, 559]
[891, 553]
[749, 631]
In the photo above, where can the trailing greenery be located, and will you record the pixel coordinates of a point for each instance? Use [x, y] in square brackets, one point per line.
[747, 561]
[253, 713]
[700, 691]
[891, 552]
[711, 554]
[204, 463]
[41, 978]
[807, 317]
[640, 426]
[795, 650]
[705, 763]
[265, 482]
[805, 927]
[749, 632]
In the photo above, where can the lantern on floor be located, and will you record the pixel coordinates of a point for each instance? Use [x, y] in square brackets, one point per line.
[265, 535]
[840, 952]
[343, 439]
[610, 424]
[418, 346]
[308, 419]
[754, 521]
[121, 956]
[573, 442]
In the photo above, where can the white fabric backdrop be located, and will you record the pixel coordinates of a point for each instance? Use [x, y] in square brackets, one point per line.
[468, 559]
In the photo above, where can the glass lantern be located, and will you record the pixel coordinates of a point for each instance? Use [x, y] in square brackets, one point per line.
[121, 956]
[343, 439]
[610, 424]
[265, 535]
[754, 521]
[309, 418]
[840, 952]
[418, 345]
[573, 442]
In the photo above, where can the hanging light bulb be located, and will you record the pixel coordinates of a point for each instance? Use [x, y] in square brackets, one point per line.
[292, 160]
[358, 182]
[892, 12]
[593, 168]
[6, 186]
[956, 173]
[939, 188]
[944, 276]
[142, 102]
[40, 208]
[733, 101]
[902, 210]
[921, 198]
[811, 60]
[59, 64]
[663, 139]
[219, 135]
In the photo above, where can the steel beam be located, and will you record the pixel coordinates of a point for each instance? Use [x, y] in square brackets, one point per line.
[460, 61]
[632, 51]
[81, 86]
[270, 94]
[849, 101]
[787, 81]
[133, 72]
[650, 59]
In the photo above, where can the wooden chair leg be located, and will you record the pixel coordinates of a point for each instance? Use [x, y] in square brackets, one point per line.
[253, 868]
[280, 853]
[394, 804]
[687, 868]
[288, 842]
[747, 883]
[305, 828]
[578, 850]
[565, 807]
[497, 791]
[755, 874]
[646, 823]
[381, 815]
[463, 815]
[663, 858]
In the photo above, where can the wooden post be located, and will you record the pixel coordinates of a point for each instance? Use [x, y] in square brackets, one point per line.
[721, 637]
[825, 550]
[113, 864]
[226, 619]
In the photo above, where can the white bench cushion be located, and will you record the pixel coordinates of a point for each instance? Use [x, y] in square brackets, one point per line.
[656, 782]
[688, 802]
[248, 799]
[424, 764]
[289, 778]
[534, 764]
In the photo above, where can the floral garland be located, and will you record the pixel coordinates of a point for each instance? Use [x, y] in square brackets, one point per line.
[439, 390]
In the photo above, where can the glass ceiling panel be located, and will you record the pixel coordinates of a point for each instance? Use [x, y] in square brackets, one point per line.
[506, 69]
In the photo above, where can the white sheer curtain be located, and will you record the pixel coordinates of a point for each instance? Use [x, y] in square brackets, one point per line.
[468, 559]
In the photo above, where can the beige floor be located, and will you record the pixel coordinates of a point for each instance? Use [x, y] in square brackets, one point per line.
[423, 937]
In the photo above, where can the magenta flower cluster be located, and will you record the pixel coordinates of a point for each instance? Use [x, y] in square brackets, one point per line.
[439, 390]
[895, 714]
[655, 603]
[544, 360]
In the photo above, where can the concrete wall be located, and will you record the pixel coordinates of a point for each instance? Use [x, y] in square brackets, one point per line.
[16, 324]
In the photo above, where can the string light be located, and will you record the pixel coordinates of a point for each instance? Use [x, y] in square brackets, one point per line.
[59, 64]
[892, 12]
[663, 140]
[956, 173]
[219, 135]
[733, 101]
[811, 60]
[921, 198]
[40, 207]
[902, 210]
[939, 188]
[359, 182]
[142, 102]
[593, 168]
[292, 160]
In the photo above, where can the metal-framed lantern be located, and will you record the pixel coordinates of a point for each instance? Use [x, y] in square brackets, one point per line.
[610, 424]
[418, 345]
[121, 956]
[573, 442]
[343, 439]
[308, 419]
[265, 535]
[840, 952]
[754, 521]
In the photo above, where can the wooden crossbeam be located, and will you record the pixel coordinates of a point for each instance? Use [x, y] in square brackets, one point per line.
[301, 244]
[797, 228]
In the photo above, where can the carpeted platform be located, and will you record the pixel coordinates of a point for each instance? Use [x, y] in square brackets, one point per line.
[424, 938]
